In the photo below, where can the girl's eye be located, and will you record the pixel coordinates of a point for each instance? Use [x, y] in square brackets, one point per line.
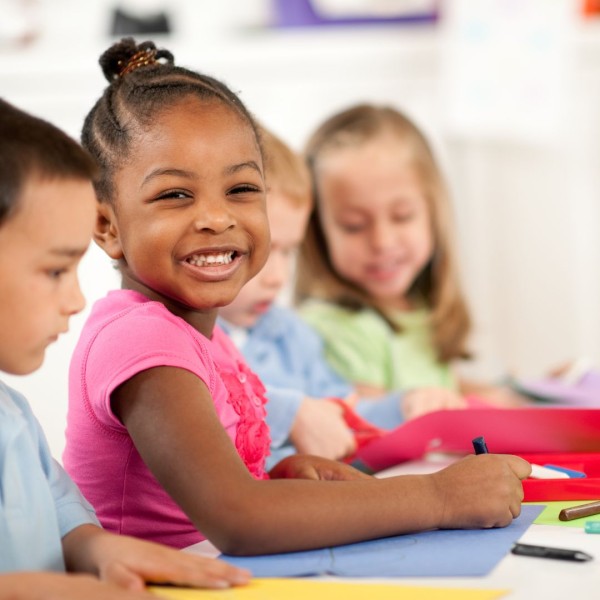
[352, 228]
[173, 195]
[245, 189]
[403, 217]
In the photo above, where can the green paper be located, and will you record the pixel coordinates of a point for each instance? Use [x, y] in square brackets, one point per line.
[550, 514]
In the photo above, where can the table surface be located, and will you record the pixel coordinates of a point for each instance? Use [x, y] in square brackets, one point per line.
[525, 578]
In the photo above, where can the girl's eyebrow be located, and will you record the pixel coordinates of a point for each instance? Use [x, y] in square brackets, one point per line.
[231, 170]
[241, 166]
[168, 171]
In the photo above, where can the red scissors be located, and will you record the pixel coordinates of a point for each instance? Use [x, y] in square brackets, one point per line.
[364, 432]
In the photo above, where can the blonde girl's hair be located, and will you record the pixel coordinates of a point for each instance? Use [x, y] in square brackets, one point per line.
[438, 285]
[286, 171]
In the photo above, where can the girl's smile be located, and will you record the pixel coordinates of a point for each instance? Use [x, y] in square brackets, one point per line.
[386, 270]
[213, 264]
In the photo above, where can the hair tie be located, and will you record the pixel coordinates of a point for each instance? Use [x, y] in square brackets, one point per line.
[142, 58]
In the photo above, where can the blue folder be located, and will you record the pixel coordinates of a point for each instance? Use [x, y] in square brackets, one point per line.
[442, 553]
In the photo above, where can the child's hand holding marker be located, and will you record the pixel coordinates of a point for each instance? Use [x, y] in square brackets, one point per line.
[567, 514]
[482, 492]
[537, 471]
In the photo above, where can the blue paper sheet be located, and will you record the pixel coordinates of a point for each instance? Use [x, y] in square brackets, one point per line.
[448, 553]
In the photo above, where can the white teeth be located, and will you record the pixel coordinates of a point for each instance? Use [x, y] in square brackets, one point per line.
[202, 260]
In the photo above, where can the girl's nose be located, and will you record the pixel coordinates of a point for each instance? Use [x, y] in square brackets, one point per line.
[213, 215]
[383, 235]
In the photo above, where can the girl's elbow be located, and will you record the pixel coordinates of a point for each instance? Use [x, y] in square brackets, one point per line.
[237, 541]
[237, 532]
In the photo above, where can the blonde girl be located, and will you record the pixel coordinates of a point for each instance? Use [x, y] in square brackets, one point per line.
[378, 275]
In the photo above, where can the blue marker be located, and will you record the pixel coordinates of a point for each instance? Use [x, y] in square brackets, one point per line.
[479, 445]
[572, 473]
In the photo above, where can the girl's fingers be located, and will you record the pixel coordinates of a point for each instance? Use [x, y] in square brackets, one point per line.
[520, 467]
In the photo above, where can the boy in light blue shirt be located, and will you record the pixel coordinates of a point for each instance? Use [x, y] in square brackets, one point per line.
[52, 497]
[289, 358]
[47, 213]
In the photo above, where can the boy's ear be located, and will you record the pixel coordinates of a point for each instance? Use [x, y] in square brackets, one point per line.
[106, 233]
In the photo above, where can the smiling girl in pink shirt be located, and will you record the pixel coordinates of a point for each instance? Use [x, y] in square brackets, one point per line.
[166, 432]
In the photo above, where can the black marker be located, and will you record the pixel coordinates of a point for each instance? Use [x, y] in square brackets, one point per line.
[479, 445]
[544, 552]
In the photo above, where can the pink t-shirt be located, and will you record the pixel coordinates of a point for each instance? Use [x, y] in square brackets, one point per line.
[125, 334]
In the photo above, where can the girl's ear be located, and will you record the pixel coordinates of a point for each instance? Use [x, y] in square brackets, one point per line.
[106, 233]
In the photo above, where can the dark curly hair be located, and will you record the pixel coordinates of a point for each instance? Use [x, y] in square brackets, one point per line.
[142, 81]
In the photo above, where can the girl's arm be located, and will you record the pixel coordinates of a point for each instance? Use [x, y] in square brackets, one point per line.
[171, 418]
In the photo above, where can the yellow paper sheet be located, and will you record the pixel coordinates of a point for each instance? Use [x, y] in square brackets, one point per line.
[301, 589]
[550, 514]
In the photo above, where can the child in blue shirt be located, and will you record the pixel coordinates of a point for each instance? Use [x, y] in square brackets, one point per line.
[47, 213]
[286, 352]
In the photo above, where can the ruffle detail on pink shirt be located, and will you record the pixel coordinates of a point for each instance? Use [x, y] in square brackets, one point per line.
[247, 397]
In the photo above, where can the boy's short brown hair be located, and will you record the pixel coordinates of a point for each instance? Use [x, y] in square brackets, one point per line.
[31, 147]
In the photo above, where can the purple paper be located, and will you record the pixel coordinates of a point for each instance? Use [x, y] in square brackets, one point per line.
[585, 392]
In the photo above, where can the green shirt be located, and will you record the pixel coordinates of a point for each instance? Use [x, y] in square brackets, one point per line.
[363, 348]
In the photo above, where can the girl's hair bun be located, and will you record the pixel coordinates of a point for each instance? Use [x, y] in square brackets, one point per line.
[126, 56]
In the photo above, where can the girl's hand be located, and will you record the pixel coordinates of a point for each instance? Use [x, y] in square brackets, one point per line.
[131, 563]
[480, 491]
[425, 400]
[320, 429]
[303, 466]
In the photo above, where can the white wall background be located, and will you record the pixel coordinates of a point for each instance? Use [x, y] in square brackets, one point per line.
[522, 161]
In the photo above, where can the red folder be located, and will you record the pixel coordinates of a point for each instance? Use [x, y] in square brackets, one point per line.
[540, 435]
[587, 488]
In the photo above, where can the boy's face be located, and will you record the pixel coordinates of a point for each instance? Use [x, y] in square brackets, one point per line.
[287, 223]
[40, 247]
